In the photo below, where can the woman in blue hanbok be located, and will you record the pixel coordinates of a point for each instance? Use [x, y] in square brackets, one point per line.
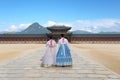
[63, 57]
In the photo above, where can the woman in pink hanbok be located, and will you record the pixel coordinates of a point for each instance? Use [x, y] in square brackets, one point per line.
[50, 54]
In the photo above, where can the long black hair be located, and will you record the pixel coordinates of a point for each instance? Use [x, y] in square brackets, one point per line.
[50, 37]
[62, 35]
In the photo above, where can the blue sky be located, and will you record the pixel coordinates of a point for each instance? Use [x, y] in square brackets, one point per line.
[89, 15]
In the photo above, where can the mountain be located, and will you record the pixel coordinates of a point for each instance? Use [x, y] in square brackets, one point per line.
[35, 28]
[109, 33]
[80, 32]
[8, 32]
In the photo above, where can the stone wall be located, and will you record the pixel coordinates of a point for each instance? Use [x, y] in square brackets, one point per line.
[95, 42]
[23, 42]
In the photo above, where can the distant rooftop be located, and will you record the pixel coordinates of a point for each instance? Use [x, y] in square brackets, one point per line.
[58, 27]
[95, 35]
[22, 35]
[73, 35]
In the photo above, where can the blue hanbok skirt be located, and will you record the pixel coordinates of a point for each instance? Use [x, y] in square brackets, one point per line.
[63, 57]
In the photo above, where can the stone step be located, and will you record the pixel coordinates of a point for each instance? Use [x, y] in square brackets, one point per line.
[27, 67]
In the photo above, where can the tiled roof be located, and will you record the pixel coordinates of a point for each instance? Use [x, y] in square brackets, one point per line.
[22, 35]
[73, 35]
[95, 35]
[58, 27]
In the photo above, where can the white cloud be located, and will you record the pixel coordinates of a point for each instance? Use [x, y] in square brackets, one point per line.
[12, 28]
[17, 27]
[86, 25]
[104, 25]
[91, 25]
[51, 23]
[23, 26]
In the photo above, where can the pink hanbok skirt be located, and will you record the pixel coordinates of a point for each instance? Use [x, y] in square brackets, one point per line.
[49, 57]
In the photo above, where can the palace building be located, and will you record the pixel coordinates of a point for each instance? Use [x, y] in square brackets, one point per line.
[56, 31]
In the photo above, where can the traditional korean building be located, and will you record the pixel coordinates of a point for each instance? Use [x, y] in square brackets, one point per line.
[57, 30]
